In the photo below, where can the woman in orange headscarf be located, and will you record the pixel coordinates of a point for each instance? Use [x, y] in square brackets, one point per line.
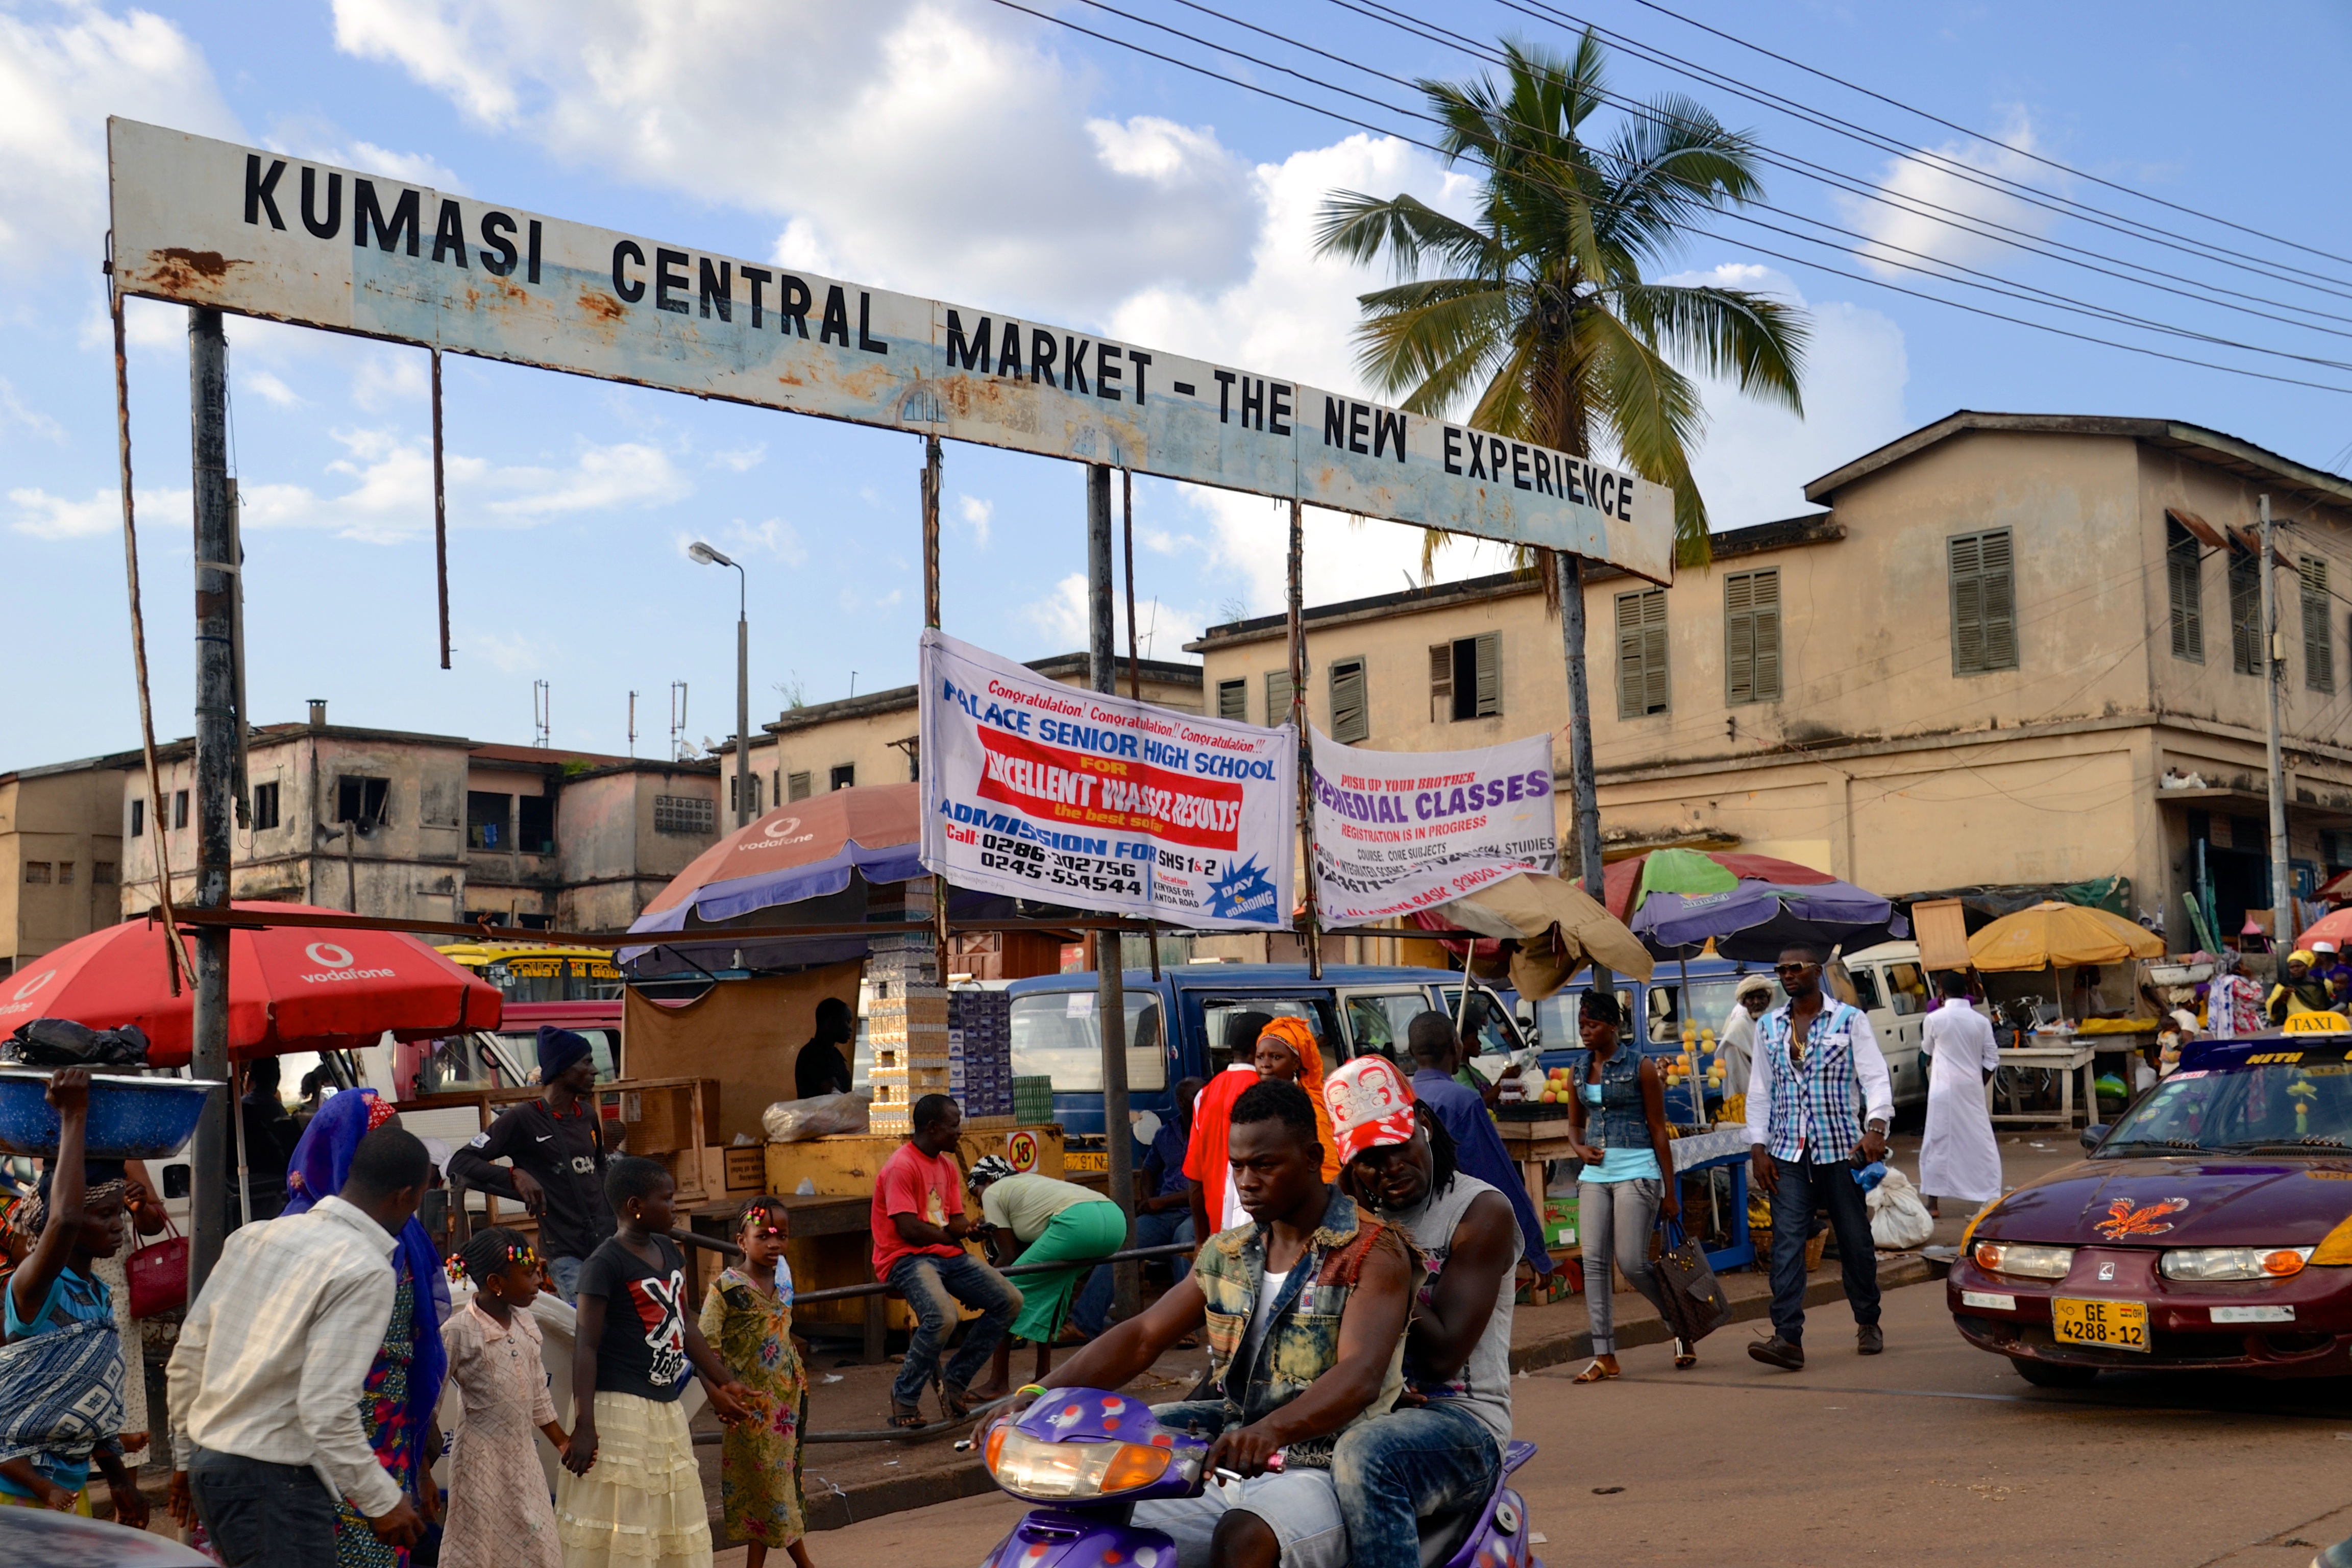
[1286, 1051]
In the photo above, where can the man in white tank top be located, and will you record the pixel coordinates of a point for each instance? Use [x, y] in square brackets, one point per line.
[1440, 1449]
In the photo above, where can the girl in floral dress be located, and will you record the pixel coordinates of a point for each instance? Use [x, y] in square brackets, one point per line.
[499, 1513]
[747, 1319]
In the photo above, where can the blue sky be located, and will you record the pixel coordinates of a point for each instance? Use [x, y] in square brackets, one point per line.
[964, 147]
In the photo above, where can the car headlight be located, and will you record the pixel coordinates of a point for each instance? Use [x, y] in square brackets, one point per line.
[2234, 1262]
[1029, 1468]
[2029, 1262]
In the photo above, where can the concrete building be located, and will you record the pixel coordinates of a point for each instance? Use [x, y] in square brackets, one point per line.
[61, 854]
[2017, 649]
[434, 826]
[873, 738]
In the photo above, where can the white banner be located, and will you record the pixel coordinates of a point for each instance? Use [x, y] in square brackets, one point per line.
[1064, 796]
[1400, 831]
[211, 223]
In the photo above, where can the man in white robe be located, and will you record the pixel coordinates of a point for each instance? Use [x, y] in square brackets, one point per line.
[1959, 1157]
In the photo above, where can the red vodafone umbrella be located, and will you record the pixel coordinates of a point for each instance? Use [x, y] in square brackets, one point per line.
[290, 988]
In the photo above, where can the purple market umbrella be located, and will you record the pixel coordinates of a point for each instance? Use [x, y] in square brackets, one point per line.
[1756, 920]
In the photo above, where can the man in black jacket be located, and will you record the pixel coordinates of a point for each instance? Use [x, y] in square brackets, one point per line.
[556, 1144]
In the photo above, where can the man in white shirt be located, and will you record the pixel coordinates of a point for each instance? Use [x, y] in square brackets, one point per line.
[1818, 1104]
[266, 1382]
[1735, 1043]
[1959, 1157]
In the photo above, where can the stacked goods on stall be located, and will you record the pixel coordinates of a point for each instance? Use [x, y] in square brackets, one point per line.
[906, 1020]
[980, 1057]
[1033, 1101]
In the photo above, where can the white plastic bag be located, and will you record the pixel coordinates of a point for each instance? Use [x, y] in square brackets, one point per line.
[1899, 1220]
[819, 1116]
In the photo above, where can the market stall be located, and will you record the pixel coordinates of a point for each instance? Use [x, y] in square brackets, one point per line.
[2062, 1039]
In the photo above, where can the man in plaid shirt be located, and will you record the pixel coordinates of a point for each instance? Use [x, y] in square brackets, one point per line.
[1818, 1104]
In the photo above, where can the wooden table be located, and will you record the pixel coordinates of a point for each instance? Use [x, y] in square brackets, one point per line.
[2066, 1060]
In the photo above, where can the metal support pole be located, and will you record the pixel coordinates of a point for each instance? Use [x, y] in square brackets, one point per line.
[744, 811]
[216, 760]
[1584, 798]
[1309, 936]
[1110, 1002]
[1134, 661]
[932, 475]
[440, 515]
[2283, 914]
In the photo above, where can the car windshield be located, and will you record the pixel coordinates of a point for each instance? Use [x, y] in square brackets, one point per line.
[1055, 1035]
[2274, 1106]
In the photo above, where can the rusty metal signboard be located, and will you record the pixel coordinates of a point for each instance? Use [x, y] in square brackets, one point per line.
[201, 222]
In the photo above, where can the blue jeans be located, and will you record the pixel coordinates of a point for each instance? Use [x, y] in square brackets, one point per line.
[565, 1272]
[1801, 1186]
[934, 1286]
[1397, 1469]
[261, 1515]
[1091, 1312]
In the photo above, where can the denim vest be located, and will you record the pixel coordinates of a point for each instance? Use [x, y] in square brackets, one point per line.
[1816, 1107]
[1620, 1121]
[1302, 1338]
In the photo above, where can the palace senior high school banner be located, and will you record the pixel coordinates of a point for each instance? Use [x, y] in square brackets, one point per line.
[1400, 831]
[1064, 796]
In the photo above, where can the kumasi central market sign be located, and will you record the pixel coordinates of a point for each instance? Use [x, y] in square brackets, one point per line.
[208, 223]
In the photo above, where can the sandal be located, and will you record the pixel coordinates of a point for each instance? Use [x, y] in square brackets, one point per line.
[907, 1417]
[1596, 1372]
[1686, 1357]
[956, 1402]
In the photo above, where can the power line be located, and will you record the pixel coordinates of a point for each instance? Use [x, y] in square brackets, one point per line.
[1990, 141]
[1347, 119]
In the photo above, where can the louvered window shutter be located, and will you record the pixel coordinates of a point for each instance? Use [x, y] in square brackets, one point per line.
[1490, 673]
[1277, 698]
[2245, 613]
[2182, 573]
[1233, 701]
[1441, 682]
[1642, 688]
[1767, 613]
[1629, 657]
[1654, 650]
[2318, 644]
[1984, 603]
[1999, 603]
[1740, 638]
[1351, 719]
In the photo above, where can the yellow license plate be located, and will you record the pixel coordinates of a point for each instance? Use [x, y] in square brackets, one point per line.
[1085, 1160]
[2118, 1325]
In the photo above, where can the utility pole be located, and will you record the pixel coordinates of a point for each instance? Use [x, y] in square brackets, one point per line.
[1583, 790]
[703, 552]
[217, 721]
[2274, 667]
[1110, 1000]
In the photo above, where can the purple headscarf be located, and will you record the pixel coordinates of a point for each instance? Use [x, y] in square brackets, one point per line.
[321, 1162]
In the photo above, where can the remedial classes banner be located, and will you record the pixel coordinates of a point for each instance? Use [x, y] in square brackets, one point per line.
[1401, 831]
[1062, 796]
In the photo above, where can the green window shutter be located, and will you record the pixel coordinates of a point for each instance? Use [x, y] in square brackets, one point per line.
[1441, 682]
[1490, 673]
[1233, 701]
[1767, 615]
[1642, 687]
[1984, 603]
[1277, 698]
[2184, 587]
[1351, 714]
[2245, 613]
[2318, 642]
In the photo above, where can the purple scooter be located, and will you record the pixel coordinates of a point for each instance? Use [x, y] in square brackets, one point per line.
[1087, 1457]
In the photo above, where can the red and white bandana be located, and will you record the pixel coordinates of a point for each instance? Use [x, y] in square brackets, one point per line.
[1371, 1104]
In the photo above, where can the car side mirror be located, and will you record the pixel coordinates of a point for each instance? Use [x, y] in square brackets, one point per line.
[2094, 1134]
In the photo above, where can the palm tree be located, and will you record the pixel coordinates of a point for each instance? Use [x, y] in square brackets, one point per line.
[1538, 309]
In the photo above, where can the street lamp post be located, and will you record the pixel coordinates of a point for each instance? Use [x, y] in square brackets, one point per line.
[709, 557]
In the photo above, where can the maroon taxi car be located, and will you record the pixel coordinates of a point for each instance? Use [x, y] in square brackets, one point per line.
[2210, 1229]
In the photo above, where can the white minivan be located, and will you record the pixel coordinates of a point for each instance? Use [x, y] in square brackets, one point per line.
[1892, 986]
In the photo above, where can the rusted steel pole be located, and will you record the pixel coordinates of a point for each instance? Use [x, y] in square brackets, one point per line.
[1298, 717]
[217, 722]
[440, 515]
[1110, 1001]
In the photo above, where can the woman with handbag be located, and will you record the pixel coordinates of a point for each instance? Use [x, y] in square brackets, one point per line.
[1619, 1124]
[145, 1212]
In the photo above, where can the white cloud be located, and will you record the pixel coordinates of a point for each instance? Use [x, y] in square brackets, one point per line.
[742, 460]
[270, 388]
[978, 515]
[1062, 621]
[60, 77]
[388, 496]
[45, 516]
[928, 144]
[510, 653]
[390, 378]
[1911, 184]
[1061, 614]
[775, 537]
[15, 410]
[1754, 463]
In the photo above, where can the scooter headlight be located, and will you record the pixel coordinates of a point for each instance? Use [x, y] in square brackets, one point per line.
[1051, 1472]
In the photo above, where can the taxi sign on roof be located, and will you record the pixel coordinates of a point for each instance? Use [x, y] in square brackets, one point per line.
[2319, 1024]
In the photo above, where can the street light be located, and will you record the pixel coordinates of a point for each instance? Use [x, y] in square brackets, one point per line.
[707, 556]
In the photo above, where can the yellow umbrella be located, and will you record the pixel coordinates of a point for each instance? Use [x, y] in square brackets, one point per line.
[2055, 935]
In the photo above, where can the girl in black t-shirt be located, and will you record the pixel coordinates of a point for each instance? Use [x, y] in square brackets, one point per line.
[634, 1340]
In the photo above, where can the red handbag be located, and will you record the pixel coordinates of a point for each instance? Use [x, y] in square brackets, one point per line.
[158, 1274]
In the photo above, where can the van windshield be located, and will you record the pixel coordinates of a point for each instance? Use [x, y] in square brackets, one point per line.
[1057, 1035]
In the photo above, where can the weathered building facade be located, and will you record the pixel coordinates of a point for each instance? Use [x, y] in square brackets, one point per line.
[61, 854]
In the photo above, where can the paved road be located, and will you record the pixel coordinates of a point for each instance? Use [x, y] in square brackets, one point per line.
[1932, 1453]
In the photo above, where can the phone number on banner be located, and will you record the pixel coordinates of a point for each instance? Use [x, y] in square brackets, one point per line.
[1057, 869]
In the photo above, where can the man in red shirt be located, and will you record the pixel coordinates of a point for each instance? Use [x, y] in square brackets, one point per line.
[918, 1227]
[1204, 1156]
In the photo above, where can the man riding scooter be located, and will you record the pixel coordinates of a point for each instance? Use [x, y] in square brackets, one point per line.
[1305, 1308]
[1440, 1452]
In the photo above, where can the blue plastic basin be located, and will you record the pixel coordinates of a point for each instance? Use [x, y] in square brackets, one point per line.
[131, 1118]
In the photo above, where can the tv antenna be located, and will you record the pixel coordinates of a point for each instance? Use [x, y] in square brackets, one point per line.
[677, 747]
[542, 709]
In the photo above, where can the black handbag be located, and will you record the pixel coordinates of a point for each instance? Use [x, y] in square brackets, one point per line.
[1693, 1299]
